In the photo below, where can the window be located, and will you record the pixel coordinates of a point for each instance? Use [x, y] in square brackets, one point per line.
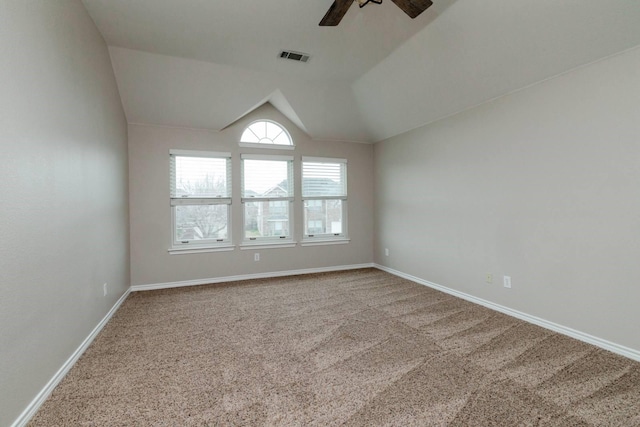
[324, 197]
[267, 195]
[314, 226]
[200, 196]
[266, 134]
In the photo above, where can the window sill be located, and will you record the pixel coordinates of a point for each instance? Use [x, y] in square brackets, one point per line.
[267, 245]
[270, 146]
[322, 242]
[202, 249]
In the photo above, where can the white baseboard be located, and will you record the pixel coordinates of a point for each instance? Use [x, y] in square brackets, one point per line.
[198, 282]
[590, 339]
[35, 404]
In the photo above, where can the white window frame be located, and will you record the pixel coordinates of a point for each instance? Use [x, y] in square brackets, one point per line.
[199, 245]
[269, 241]
[266, 145]
[325, 238]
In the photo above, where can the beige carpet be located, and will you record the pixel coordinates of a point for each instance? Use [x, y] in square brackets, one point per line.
[357, 348]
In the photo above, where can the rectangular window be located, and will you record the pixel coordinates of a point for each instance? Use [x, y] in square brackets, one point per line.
[200, 198]
[324, 197]
[267, 196]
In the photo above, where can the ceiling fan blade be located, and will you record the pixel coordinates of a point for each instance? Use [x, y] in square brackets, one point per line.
[335, 13]
[413, 8]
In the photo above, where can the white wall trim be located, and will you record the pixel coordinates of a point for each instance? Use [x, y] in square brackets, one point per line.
[267, 275]
[590, 339]
[324, 242]
[40, 398]
[266, 245]
[270, 146]
[197, 250]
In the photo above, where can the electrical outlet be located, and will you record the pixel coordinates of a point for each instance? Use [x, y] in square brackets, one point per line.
[507, 281]
[489, 278]
[256, 256]
[386, 251]
[105, 291]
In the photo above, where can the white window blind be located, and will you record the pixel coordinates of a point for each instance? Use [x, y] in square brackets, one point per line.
[200, 175]
[267, 177]
[322, 177]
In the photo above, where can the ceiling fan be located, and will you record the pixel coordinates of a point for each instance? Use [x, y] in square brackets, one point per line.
[339, 8]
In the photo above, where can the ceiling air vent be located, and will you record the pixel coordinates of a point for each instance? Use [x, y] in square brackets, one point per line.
[295, 56]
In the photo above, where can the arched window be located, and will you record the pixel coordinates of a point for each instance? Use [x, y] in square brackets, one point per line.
[266, 134]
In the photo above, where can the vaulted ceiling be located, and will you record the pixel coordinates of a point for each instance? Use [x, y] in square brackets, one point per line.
[204, 64]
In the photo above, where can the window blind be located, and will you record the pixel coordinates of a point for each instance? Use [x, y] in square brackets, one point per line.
[323, 177]
[267, 177]
[200, 175]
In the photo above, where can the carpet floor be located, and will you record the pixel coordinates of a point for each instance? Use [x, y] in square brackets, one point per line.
[355, 348]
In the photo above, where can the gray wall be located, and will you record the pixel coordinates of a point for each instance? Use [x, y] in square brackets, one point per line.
[541, 185]
[151, 217]
[63, 183]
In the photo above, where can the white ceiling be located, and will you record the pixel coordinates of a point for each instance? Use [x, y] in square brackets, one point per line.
[204, 64]
[251, 33]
